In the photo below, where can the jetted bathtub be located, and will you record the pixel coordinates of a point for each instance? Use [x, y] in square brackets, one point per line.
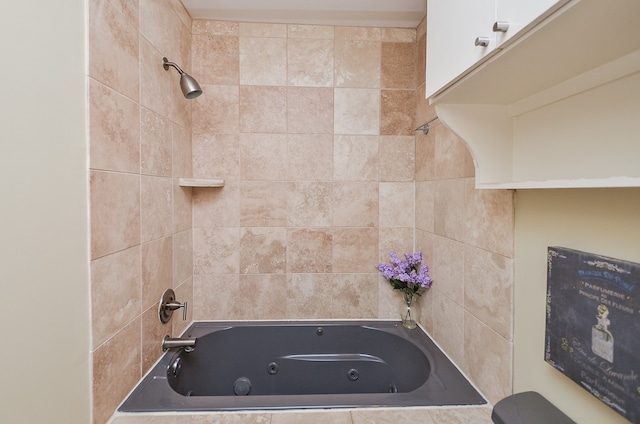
[292, 365]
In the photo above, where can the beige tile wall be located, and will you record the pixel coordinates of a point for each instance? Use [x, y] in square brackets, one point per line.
[308, 238]
[141, 220]
[312, 129]
[469, 236]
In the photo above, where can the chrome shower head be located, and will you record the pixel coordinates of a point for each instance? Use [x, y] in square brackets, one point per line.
[190, 87]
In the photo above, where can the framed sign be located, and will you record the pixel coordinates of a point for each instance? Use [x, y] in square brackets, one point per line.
[593, 325]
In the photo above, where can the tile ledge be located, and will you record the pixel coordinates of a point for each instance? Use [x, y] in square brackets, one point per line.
[200, 182]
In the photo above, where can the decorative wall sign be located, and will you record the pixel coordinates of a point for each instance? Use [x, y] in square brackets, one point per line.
[593, 325]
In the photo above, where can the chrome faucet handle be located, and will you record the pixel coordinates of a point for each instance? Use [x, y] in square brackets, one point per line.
[168, 304]
[172, 306]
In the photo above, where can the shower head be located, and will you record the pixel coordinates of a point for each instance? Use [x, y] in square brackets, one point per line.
[190, 87]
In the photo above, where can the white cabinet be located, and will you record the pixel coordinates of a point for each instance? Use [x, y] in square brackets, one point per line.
[520, 13]
[452, 27]
[462, 33]
[555, 105]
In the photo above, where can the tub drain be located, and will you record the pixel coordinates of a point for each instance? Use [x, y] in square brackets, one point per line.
[176, 366]
[242, 386]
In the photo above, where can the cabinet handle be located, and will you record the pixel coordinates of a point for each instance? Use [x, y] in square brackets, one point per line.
[482, 41]
[501, 26]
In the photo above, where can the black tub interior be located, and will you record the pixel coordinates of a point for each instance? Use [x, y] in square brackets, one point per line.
[294, 360]
[276, 365]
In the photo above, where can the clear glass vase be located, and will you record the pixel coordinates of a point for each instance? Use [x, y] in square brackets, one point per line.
[408, 315]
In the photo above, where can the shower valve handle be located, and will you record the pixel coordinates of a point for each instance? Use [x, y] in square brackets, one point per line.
[168, 304]
[177, 305]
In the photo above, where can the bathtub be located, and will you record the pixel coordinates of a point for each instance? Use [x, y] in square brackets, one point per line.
[296, 365]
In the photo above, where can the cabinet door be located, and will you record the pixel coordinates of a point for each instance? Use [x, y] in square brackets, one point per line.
[520, 13]
[452, 28]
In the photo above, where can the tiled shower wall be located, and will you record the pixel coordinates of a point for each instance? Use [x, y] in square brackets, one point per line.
[141, 220]
[468, 235]
[312, 129]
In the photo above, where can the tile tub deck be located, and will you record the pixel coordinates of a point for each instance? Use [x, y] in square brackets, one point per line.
[423, 415]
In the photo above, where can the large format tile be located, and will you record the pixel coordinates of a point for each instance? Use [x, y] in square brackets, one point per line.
[156, 207]
[477, 415]
[488, 289]
[263, 250]
[211, 28]
[115, 293]
[489, 219]
[263, 109]
[311, 295]
[114, 130]
[310, 204]
[355, 157]
[263, 156]
[452, 157]
[218, 112]
[156, 151]
[488, 359]
[355, 204]
[216, 58]
[398, 65]
[425, 206]
[397, 158]
[217, 207]
[264, 203]
[396, 204]
[449, 208]
[354, 249]
[309, 250]
[157, 270]
[354, 295]
[356, 111]
[309, 110]
[310, 157]
[392, 416]
[448, 263]
[216, 251]
[357, 63]
[113, 48]
[116, 369]
[182, 257]
[310, 61]
[263, 61]
[315, 417]
[397, 112]
[115, 212]
[448, 325]
[216, 155]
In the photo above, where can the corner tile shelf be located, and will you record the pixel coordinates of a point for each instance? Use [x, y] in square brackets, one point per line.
[200, 182]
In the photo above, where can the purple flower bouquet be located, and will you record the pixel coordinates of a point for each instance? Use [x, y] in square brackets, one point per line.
[407, 275]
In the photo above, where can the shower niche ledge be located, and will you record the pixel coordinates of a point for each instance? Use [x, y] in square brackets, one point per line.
[201, 182]
[558, 106]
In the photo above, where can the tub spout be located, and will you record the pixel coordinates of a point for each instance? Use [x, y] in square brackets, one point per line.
[187, 344]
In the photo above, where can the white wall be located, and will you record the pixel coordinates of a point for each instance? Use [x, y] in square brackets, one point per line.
[601, 221]
[43, 193]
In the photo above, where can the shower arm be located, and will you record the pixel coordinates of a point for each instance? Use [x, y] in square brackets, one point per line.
[166, 65]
